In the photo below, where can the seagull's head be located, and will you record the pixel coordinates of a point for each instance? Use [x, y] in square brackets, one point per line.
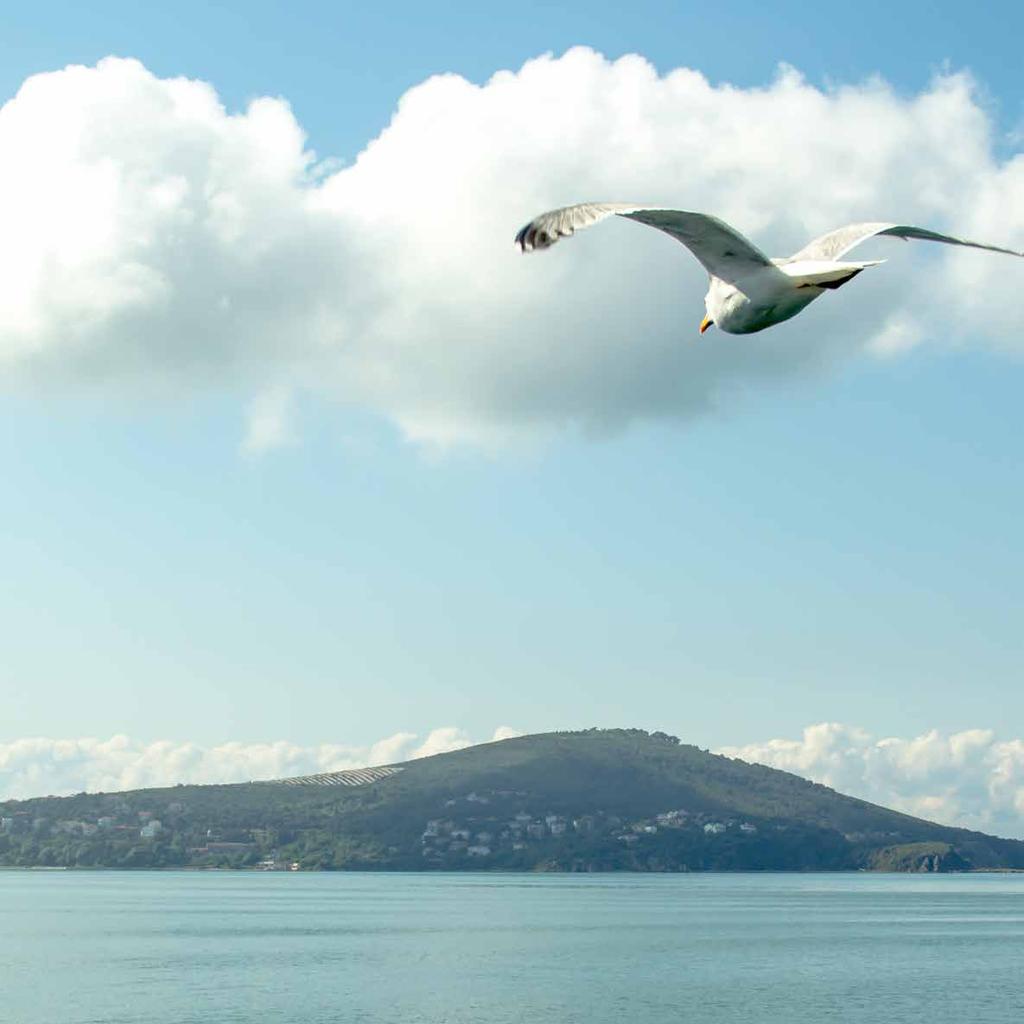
[722, 304]
[714, 303]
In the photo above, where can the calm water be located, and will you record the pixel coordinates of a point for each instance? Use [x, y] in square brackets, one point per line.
[174, 948]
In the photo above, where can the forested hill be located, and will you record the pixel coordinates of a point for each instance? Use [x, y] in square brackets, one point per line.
[617, 799]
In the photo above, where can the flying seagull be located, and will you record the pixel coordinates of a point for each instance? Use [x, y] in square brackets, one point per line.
[748, 291]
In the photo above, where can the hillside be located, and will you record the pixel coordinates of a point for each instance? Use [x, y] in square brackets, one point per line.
[617, 799]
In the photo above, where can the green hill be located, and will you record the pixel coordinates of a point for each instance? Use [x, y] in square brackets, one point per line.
[618, 799]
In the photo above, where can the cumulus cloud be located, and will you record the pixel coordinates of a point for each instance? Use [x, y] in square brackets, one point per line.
[154, 240]
[969, 779]
[269, 423]
[45, 767]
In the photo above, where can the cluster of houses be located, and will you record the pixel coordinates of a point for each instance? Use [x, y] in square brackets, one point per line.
[476, 835]
[143, 824]
[491, 826]
[445, 835]
[683, 819]
[128, 824]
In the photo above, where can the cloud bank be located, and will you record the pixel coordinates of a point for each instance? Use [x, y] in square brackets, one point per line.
[155, 242]
[968, 778]
[49, 767]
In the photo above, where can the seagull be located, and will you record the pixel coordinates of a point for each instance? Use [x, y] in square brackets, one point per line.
[748, 291]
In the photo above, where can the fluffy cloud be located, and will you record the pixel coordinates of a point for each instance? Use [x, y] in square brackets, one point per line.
[153, 240]
[968, 778]
[37, 767]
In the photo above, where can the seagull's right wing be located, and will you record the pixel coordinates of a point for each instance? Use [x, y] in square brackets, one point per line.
[836, 243]
[722, 251]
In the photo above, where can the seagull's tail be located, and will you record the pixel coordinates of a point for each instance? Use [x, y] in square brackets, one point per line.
[825, 273]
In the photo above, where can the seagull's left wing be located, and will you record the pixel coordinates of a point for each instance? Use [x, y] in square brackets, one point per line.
[842, 240]
[721, 250]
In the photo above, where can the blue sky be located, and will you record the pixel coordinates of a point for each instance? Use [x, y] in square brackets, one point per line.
[838, 544]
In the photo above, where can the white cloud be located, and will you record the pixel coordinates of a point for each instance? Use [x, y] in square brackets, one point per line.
[152, 240]
[269, 423]
[505, 732]
[441, 741]
[44, 767]
[900, 333]
[968, 778]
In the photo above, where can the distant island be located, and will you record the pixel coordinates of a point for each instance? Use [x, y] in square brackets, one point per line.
[595, 800]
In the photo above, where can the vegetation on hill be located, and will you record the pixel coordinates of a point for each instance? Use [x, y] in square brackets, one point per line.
[618, 799]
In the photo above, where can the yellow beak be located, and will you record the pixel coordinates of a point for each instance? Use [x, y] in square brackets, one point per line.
[705, 324]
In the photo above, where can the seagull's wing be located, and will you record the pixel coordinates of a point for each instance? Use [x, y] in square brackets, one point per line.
[722, 251]
[842, 240]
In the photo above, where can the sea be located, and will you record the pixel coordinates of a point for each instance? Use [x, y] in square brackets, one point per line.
[304, 948]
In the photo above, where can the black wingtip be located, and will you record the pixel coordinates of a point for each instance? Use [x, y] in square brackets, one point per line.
[523, 239]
